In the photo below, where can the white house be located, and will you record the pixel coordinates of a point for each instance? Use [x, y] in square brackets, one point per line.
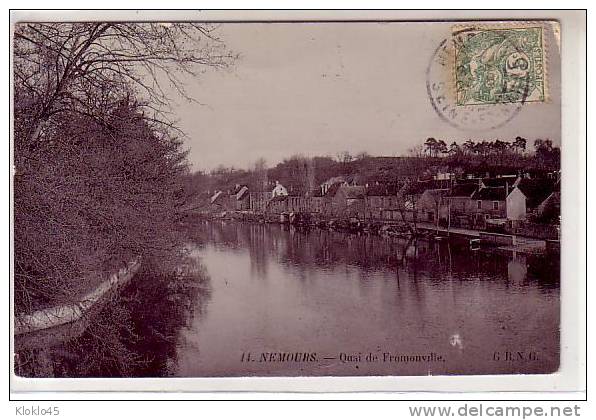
[279, 190]
[516, 205]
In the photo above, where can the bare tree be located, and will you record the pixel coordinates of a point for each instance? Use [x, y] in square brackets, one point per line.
[88, 67]
[344, 157]
[260, 171]
[95, 150]
[407, 203]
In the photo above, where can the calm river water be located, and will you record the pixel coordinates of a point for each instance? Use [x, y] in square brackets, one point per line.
[286, 302]
[274, 300]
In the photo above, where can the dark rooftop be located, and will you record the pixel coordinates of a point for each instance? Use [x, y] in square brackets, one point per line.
[490, 193]
[382, 190]
[536, 190]
[463, 190]
[420, 186]
[499, 182]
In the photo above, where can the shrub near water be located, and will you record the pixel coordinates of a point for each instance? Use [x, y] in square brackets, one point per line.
[93, 196]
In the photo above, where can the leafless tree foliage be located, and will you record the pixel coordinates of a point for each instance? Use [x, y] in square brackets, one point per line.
[99, 163]
[260, 171]
[87, 67]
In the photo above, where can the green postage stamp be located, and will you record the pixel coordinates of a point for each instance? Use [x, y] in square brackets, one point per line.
[496, 65]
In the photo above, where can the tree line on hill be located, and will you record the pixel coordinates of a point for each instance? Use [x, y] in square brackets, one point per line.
[300, 174]
[547, 154]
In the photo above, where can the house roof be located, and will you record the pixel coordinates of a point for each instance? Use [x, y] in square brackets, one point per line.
[242, 192]
[333, 189]
[536, 190]
[334, 180]
[216, 196]
[420, 186]
[279, 186]
[500, 181]
[490, 193]
[463, 190]
[353, 192]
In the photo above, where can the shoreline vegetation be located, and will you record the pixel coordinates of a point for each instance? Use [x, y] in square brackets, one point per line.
[99, 169]
[99, 165]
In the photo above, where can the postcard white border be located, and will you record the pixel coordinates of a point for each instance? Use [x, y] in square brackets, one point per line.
[571, 376]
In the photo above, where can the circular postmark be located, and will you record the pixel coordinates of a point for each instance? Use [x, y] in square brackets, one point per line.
[483, 88]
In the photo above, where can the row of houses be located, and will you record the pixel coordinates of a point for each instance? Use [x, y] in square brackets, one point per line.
[457, 202]
[474, 203]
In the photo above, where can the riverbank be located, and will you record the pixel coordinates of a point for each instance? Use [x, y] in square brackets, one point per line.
[48, 326]
[63, 314]
[131, 329]
[501, 241]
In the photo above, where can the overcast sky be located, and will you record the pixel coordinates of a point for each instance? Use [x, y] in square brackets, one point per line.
[321, 88]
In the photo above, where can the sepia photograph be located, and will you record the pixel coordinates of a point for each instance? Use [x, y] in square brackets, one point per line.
[286, 198]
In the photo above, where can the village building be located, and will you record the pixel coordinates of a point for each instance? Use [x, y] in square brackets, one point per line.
[412, 193]
[242, 198]
[382, 202]
[347, 201]
[509, 182]
[527, 197]
[433, 206]
[460, 203]
[279, 190]
[506, 200]
[221, 201]
[488, 203]
[260, 201]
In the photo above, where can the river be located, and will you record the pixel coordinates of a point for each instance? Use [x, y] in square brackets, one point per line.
[350, 298]
[277, 301]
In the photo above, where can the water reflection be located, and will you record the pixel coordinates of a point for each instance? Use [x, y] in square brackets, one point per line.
[135, 335]
[278, 289]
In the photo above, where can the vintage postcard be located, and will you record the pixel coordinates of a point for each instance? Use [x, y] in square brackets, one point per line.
[219, 198]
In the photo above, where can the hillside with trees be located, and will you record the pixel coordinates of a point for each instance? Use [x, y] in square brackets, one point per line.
[300, 174]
